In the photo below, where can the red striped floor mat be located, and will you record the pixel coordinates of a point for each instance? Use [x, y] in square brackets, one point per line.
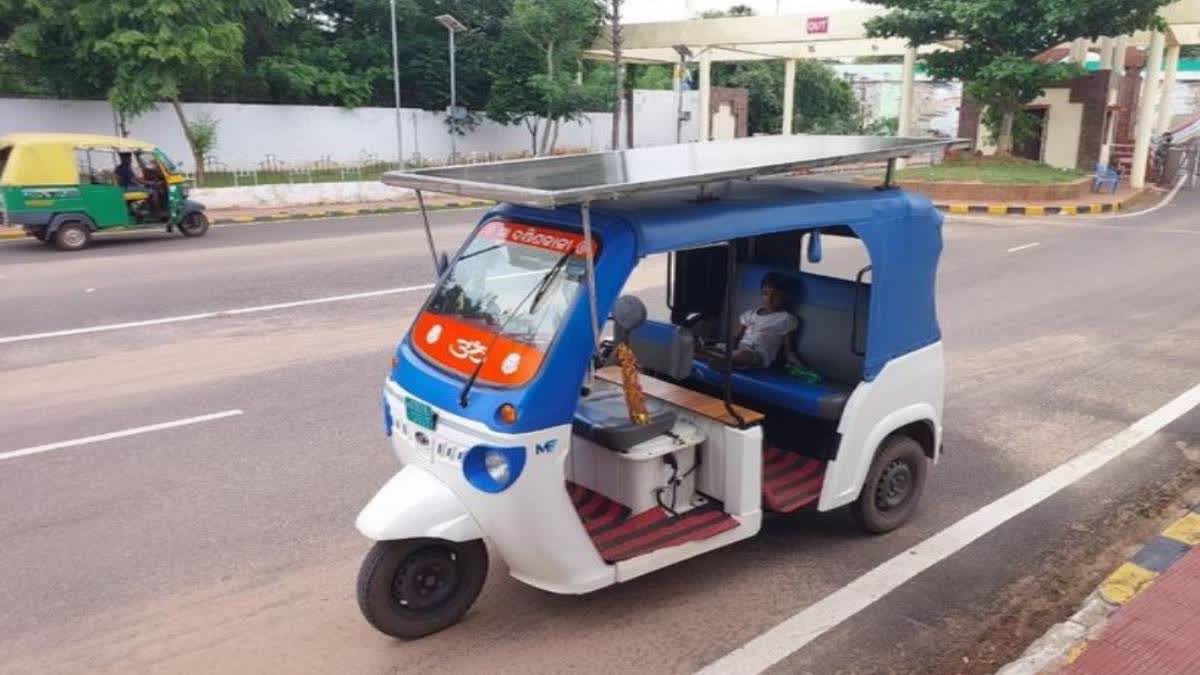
[790, 480]
[620, 537]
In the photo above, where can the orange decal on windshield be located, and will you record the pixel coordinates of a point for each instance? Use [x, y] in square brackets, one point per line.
[545, 238]
[461, 347]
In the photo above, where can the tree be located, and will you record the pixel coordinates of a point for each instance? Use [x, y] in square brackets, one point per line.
[140, 52]
[1000, 39]
[559, 30]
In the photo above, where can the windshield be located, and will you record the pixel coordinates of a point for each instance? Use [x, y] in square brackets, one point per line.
[509, 292]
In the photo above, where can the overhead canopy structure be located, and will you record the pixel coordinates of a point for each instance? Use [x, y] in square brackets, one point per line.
[755, 38]
[574, 179]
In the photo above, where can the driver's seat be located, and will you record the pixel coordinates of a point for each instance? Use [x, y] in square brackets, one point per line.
[603, 418]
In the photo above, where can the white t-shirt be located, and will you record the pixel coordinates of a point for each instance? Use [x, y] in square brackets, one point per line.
[765, 332]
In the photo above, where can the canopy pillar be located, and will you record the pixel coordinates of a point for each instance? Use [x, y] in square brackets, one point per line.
[1079, 51]
[705, 111]
[1146, 112]
[1106, 53]
[789, 94]
[1168, 86]
[1120, 46]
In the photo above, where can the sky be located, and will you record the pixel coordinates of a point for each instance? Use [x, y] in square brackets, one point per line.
[666, 10]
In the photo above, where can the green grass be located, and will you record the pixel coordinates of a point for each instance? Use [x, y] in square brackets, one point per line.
[1011, 170]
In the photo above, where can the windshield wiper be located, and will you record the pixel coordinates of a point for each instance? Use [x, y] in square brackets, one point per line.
[536, 293]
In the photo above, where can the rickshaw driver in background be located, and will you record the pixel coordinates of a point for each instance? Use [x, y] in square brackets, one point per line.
[764, 330]
[126, 177]
[128, 180]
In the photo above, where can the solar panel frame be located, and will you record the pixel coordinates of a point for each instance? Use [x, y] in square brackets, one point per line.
[516, 181]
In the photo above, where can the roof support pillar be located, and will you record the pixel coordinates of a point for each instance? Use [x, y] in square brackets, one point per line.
[789, 94]
[1144, 125]
[705, 96]
[1168, 86]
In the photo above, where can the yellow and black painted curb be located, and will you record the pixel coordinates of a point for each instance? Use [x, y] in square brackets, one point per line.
[1149, 563]
[344, 213]
[1065, 642]
[1030, 210]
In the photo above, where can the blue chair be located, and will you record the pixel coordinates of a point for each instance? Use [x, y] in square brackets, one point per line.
[1106, 176]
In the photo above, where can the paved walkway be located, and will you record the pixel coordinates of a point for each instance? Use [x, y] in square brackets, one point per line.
[1157, 633]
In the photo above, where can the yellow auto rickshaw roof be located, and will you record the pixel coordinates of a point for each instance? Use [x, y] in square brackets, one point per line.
[49, 158]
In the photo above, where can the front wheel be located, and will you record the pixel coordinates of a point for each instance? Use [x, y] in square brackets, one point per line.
[893, 486]
[194, 224]
[72, 236]
[410, 588]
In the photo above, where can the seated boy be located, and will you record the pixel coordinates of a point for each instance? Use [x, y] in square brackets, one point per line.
[762, 331]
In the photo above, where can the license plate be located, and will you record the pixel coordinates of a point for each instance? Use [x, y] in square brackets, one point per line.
[420, 413]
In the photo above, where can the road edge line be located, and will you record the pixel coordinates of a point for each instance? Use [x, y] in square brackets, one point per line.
[797, 631]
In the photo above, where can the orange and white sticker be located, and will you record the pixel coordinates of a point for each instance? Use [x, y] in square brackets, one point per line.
[461, 347]
[546, 238]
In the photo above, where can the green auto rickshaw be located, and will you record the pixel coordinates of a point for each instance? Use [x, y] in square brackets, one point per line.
[64, 188]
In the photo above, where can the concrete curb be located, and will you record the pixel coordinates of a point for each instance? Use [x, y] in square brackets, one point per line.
[344, 213]
[18, 233]
[1065, 642]
[1031, 210]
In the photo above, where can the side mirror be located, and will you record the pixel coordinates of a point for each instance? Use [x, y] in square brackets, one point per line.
[814, 247]
[443, 263]
[628, 313]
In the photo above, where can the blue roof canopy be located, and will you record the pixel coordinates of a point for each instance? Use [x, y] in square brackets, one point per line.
[901, 232]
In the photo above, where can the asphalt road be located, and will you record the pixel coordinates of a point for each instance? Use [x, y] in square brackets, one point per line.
[228, 546]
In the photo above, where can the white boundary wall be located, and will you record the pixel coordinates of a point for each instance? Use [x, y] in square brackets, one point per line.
[248, 134]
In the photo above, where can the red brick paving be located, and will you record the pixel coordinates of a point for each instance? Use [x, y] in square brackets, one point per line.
[1157, 633]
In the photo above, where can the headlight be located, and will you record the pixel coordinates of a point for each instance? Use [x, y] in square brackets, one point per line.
[493, 469]
[497, 465]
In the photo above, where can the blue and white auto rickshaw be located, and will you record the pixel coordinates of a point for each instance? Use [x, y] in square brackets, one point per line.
[585, 462]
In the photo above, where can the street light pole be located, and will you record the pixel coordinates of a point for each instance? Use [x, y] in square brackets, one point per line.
[396, 86]
[453, 26]
[453, 104]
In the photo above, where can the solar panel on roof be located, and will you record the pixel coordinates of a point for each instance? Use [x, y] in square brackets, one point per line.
[571, 179]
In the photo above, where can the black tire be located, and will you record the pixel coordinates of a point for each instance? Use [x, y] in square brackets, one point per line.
[194, 224]
[893, 486]
[72, 236]
[411, 588]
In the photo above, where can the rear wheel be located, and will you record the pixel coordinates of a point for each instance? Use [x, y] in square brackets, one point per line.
[413, 587]
[72, 236]
[194, 224]
[893, 486]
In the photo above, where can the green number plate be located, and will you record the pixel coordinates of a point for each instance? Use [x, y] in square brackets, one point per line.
[420, 413]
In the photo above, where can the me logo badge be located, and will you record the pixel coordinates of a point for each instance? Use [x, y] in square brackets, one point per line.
[547, 447]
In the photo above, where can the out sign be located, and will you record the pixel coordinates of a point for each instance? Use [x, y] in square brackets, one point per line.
[818, 24]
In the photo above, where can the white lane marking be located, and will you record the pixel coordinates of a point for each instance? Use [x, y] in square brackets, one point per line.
[1022, 247]
[38, 449]
[815, 620]
[211, 315]
[236, 312]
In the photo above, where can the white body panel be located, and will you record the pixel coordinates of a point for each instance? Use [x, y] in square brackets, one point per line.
[909, 389]
[415, 504]
[533, 524]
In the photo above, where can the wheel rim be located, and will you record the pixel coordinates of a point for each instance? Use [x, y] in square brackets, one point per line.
[426, 579]
[191, 223]
[73, 237]
[895, 486]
